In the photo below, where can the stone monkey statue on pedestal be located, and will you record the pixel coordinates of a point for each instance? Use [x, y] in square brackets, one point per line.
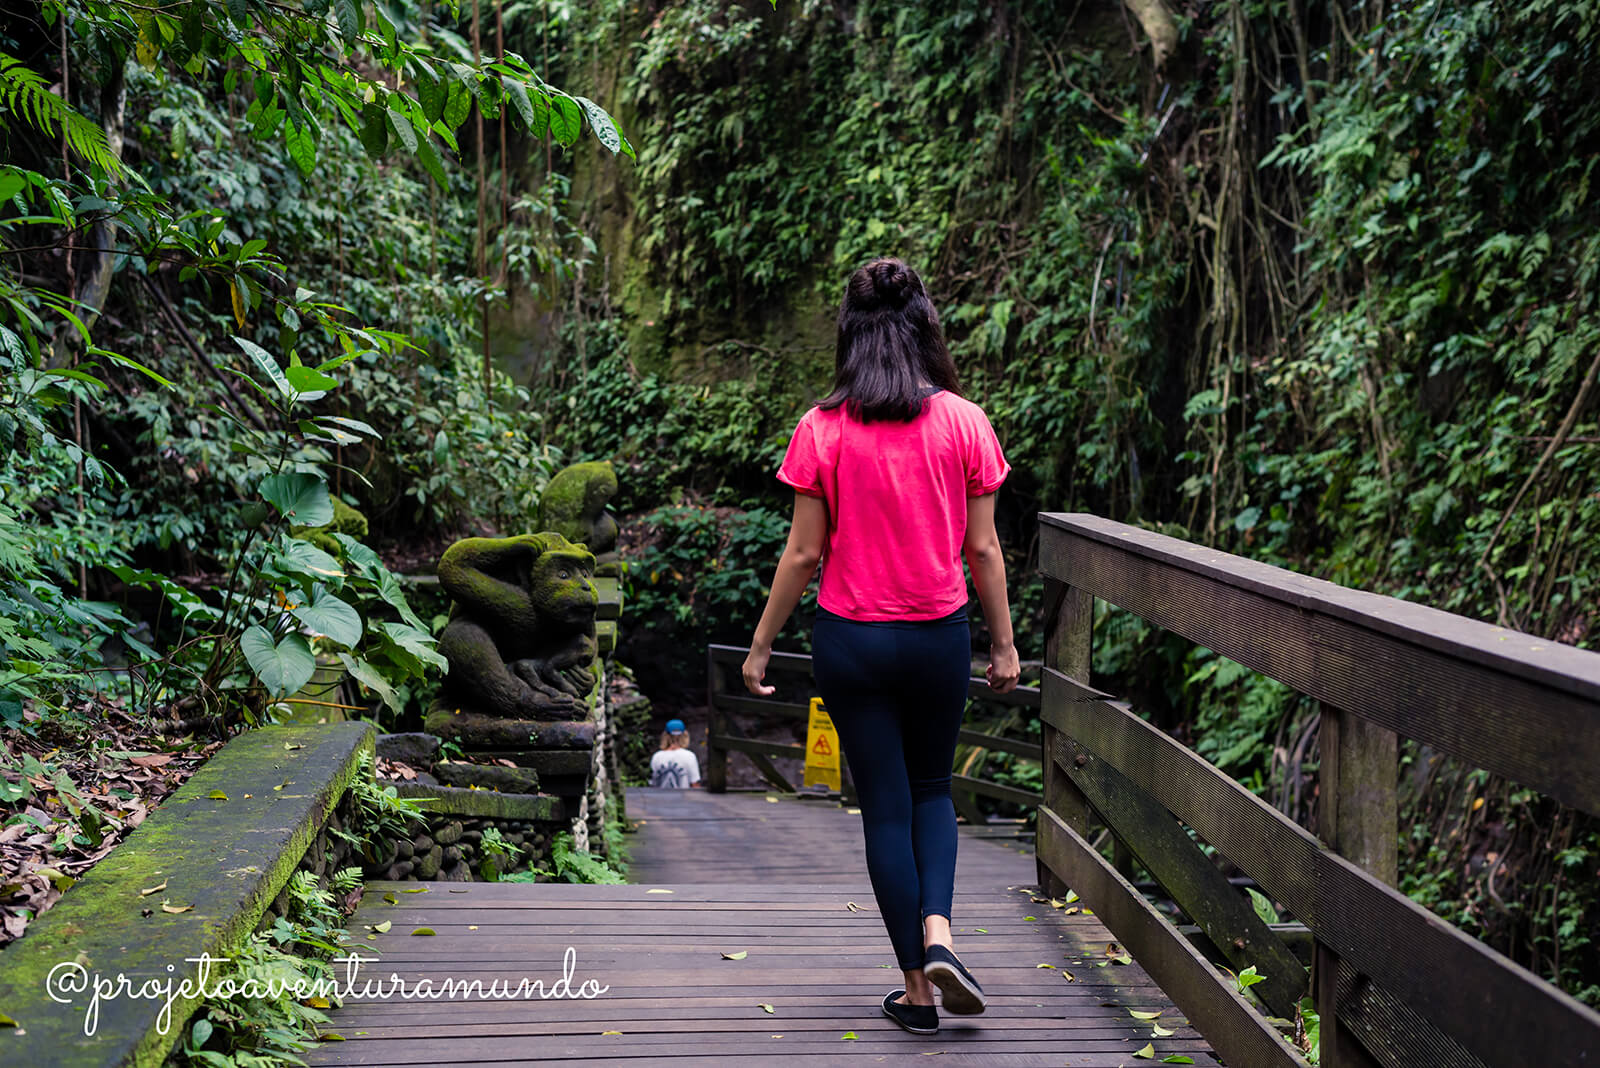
[520, 640]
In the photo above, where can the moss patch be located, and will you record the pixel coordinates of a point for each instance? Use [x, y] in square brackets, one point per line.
[485, 804]
[227, 856]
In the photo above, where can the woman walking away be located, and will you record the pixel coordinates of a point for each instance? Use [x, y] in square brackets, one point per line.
[894, 474]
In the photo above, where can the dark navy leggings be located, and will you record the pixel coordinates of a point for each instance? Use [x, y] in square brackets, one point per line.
[895, 692]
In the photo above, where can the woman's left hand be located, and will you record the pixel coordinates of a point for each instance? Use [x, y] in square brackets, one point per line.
[755, 669]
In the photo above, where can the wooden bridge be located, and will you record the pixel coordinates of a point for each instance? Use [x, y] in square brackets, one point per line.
[776, 883]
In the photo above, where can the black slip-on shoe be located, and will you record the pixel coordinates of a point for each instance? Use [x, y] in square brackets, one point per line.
[960, 992]
[918, 1019]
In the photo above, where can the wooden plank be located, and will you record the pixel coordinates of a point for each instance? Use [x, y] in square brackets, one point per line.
[716, 756]
[1191, 879]
[821, 965]
[1013, 794]
[1552, 664]
[738, 702]
[1068, 648]
[1357, 813]
[751, 746]
[1234, 1029]
[1357, 816]
[874, 1045]
[1519, 706]
[1022, 747]
[1449, 978]
[1022, 696]
[735, 654]
[1389, 1033]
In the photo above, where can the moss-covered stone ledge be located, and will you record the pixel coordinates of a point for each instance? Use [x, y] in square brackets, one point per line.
[226, 842]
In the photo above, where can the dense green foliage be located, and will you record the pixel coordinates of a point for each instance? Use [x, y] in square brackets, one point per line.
[189, 384]
[1320, 290]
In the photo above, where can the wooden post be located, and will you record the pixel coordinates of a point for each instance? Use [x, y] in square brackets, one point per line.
[1068, 642]
[1357, 815]
[716, 756]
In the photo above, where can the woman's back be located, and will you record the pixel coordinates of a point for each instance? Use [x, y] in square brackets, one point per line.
[897, 503]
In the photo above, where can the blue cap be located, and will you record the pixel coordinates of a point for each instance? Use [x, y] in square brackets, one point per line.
[675, 726]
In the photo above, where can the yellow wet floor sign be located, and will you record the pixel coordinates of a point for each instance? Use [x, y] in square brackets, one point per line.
[822, 749]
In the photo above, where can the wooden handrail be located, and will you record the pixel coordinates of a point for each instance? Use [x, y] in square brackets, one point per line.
[1522, 707]
[1394, 983]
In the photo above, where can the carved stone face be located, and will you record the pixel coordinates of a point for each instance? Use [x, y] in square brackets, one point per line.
[561, 586]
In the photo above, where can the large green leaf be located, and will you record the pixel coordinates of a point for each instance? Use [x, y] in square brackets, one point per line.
[350, 16]
[566, 122]
[601, 124]
[533, 107]
[373, 680]
[297, 557]
[430, 162]
[330, 617]
[301, 497]
[301, 141]
[308, 382]
[458, 105]
[432, 94]
[415, 641]
[283, 667]
[375, 129]
[351, 425]
[268, 365]
[403, 130]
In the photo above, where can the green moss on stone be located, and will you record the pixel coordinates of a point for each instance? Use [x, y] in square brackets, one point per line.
[228, 857]
[574, 497]
[484, 804]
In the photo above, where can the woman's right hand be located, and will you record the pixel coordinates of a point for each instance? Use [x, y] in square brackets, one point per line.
[755, 670]
[1004, 668]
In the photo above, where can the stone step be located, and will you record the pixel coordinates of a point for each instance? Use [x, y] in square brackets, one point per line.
[485, 804]
[611, 598]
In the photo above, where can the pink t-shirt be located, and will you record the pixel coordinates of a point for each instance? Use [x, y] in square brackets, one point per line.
[897, 504]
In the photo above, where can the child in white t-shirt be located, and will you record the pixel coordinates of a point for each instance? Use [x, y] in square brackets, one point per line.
[675, 766]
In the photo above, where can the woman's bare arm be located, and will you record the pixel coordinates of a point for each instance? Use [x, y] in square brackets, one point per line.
[982, 549]
[808, 533]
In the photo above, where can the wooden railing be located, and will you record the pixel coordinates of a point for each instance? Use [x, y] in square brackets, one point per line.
[1394, 984]
[791, 674]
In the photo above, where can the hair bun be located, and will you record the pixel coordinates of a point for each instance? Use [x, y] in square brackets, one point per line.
[895, 283]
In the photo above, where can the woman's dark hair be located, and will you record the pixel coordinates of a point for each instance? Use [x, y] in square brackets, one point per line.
[889, 344]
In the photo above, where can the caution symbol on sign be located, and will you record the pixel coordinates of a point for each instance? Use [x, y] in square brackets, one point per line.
[822, 749]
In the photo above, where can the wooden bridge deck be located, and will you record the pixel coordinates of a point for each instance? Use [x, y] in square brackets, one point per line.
[782, 881]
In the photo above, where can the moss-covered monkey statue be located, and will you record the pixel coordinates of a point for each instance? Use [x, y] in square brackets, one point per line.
[574, 506]
[520, 640]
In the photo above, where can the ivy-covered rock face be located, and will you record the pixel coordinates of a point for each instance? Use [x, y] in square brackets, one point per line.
[520, 641]
[574, 506]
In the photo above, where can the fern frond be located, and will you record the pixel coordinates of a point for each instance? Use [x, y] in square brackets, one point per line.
[23, 93]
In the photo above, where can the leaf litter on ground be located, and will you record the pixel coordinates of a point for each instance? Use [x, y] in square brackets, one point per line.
[66, 807]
